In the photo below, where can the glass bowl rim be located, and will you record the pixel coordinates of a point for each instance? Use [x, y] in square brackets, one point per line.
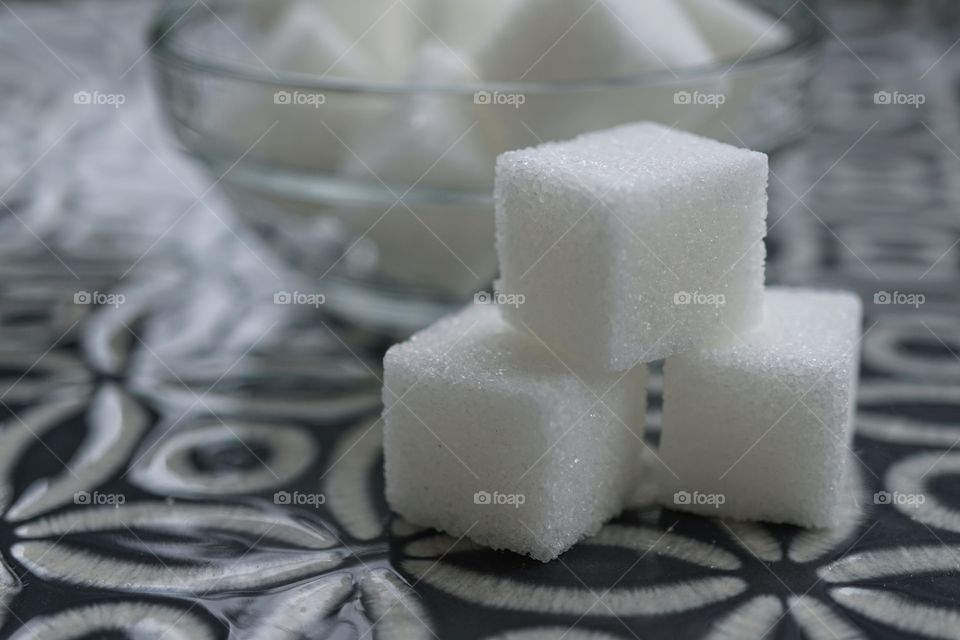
[168, 21]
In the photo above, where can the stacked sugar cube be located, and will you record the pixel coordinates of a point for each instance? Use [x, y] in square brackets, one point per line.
[488, 435]
[520, 426]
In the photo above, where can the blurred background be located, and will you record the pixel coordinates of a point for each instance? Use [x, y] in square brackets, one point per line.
[215, 216]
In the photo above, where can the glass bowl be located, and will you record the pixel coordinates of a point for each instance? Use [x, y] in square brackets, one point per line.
[379, 193]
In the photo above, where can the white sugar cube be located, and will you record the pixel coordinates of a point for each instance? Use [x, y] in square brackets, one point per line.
[632, 244]
[357, 40]
[429, 140]
[305, 39]
[734, 28]
[488, 435]
[338, 38]
[462, 23]
[299, 128]
[385, 28]
[561, 41]
[556, 40]
[760, 430]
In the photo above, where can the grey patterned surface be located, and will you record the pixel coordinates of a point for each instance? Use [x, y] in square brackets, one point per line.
[207, 411]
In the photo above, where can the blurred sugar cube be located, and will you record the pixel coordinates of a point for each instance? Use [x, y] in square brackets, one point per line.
[734, 28]
[428, 141]
[558, 40]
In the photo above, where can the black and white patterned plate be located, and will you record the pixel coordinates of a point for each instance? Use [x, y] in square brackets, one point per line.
[187, 460]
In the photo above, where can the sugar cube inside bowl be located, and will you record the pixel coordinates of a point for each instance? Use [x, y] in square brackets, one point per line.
[611, 44]
[426, 141]
[735, 28]
[369, 60]
[561, 40]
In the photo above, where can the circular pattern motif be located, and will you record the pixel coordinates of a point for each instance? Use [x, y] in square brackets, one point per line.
[888, 411]
[915, 347]
[139, 621]
[910, 488]
[223, 459]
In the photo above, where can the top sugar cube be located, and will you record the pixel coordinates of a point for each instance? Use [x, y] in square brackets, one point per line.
[631, 244]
